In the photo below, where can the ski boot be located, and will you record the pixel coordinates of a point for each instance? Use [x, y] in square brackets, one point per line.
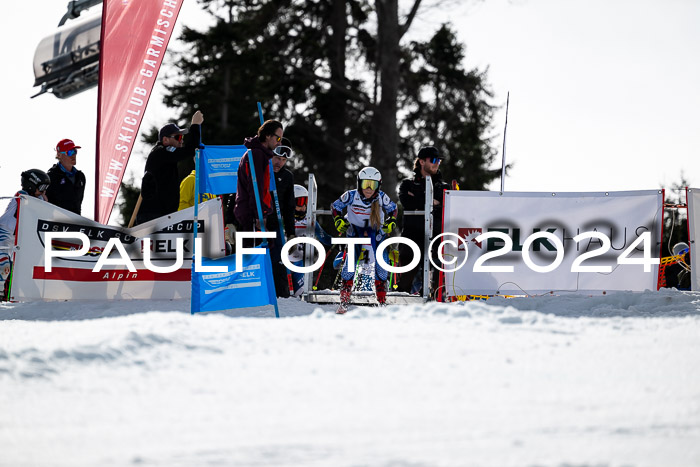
[344, 297]
[380, 287]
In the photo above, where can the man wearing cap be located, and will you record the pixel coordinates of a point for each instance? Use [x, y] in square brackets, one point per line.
[412, 198]
[67, 183]
[160, 186]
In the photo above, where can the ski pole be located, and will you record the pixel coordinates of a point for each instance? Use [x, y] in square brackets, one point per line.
[340, 270]
[280, 221]
[393, 275]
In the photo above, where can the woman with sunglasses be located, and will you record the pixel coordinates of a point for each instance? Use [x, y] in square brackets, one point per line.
[369, 213]
[67, 182]
[35, 182]
[261, 149]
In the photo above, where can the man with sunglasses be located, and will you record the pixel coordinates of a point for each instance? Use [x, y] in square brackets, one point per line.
[160, 186]
[67, 182]
[261, 148]
[412, 198]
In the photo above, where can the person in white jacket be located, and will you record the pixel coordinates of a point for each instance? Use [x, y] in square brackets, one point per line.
[35, 182]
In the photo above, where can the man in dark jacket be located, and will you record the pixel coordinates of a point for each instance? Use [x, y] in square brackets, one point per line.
[284, 181]
[412, 198]
[246, 212]
[67, 183]
[160, 186]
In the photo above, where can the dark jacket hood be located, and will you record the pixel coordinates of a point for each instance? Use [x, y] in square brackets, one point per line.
[255, 143]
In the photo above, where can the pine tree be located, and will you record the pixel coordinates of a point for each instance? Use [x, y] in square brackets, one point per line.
[291, 56]
[450, 109]
[336, 76]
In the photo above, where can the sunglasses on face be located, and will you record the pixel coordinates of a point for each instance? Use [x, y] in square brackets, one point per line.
[435, 160]
[70, 152]
[373, 184]
[177, 137]
[283, 151]
[302, 201]
[43, 187]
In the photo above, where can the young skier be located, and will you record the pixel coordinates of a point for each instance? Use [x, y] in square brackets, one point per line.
[370, 213]
[296, 256]
[35, 182]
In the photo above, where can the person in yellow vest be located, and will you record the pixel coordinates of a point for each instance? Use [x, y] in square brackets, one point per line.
[187, 193]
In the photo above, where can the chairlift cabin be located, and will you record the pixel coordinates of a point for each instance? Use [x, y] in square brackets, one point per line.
[67, 61]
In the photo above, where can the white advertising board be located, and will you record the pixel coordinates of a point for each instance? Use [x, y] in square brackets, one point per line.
[622, 217]
[73, 279]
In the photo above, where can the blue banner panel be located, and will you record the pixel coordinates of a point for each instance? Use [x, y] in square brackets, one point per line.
[219, 165]
[217, 291]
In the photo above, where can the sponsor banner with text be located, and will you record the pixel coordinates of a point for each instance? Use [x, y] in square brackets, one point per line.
[532, 243]
[72, 278]
[219, 167]
[135, 36]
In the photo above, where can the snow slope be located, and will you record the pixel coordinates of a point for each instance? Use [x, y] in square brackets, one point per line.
[548, 381]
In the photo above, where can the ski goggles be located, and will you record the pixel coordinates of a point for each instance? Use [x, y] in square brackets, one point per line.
[302, 201]
[283, 151]
[373, 184]
[70, 152]
[43, 187]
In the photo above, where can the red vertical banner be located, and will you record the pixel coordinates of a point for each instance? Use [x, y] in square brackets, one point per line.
[135, 36]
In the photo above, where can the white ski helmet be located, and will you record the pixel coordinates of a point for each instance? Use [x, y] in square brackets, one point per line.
[369, 173]
[301, 198]
[300, 192]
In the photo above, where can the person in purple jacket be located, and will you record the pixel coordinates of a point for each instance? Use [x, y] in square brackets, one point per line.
[269, 136]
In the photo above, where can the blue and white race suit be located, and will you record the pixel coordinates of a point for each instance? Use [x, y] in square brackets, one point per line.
[358, 214]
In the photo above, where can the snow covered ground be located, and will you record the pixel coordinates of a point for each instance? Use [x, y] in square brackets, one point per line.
[552, 381]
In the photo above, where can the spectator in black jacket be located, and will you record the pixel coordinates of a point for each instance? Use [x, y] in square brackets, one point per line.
[284, 181]
[412, 198]
[160, 186]
[67, 183]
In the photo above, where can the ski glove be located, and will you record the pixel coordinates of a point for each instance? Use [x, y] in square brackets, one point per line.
[341, 225]
[389, 225]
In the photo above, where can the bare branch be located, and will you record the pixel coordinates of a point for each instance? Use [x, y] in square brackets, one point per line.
[409, 19]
